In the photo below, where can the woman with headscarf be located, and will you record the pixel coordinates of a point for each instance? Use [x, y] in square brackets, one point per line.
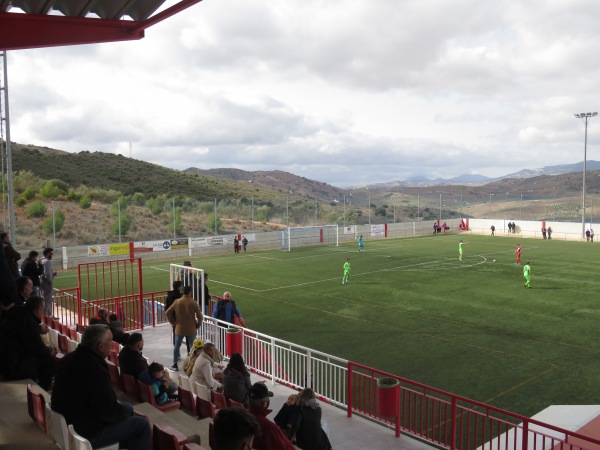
[310, 435]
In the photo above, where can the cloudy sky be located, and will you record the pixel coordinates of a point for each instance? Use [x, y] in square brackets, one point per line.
[342, 91]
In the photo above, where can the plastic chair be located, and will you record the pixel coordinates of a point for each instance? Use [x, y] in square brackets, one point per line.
[131, 386]
[114, 357]
[57, 428]
[205, 408]
[232, 403]
[116, 347]
[80, 328]
[53, 338]
[36, 406]
[184, 381]
[148, 396]
[78, 442]
[218, 400]
[73, 334]
[115, 379]
[63, 344]
[167, 438]
[187, 400]
[72, 345]
[202, 391]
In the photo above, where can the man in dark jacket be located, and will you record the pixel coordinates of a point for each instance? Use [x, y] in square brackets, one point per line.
[23, 353]
[225, 309]
[84, 394]
[32, 268]
[12, 256]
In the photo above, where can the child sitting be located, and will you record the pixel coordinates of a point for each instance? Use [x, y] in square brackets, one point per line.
[157, 377]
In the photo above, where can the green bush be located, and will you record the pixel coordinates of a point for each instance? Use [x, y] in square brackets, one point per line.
[155, 206]
[28, 194]
[210, 222]
[85, 202]
[73, 196]
[21, 201]
[54, 225]
[125, 224]
[120, 204]
[36, 209]
[50, 190]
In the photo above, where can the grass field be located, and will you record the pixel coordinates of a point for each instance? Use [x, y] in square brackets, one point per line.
[415, 310]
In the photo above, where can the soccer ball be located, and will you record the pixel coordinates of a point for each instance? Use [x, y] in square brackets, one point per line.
[494, 260]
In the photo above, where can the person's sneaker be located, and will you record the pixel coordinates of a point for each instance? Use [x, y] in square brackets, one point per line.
[174, 367]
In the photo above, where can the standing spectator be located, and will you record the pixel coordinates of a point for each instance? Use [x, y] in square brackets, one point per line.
[361, 243]
[493, 228]
[310, 435]
[549, 232]
[47, 280]
[236, 245]
[587, 235]
[32, 268]
[207, 296]
[203, 368]
[188, 276]
[435, 228]
[271, 438]
[172, 296]
[244, 243]
[235, 429]
[591, 235]
[25, 287]
[12, 256]
[8, 286]
[236, 380]
[23, 353]
[514, 228]
[543, 232]
[226, 309]
[84, 394]
[185, 314]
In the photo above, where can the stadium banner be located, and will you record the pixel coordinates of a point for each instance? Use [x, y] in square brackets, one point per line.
[156, 246]
[350, 229]
[109, 249]
[210, 242]
[378, 230]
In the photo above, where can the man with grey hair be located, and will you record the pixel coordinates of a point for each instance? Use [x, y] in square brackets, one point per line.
[84, 395]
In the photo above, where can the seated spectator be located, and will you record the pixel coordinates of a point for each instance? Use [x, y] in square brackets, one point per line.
[235, 429]
[271, 438]
[132, 362]
[188, 364]
[236, 380]
[32, 267]
[157, 377]
[116, 329]
[203, 368]
[83, 393]
[226, 309]
[288, 416]
[23, 353]
[100, 318]
[8, 286]
[310, 435]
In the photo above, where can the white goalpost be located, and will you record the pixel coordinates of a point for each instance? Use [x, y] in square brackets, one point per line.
[190, 276]
[296, 237]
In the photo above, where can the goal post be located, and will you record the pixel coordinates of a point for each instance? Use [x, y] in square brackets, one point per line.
[296, 237]
[190, 276]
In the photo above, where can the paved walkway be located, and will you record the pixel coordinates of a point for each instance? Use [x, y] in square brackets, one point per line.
[345, 433]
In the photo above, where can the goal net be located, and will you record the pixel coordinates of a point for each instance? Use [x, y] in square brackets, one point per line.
[297, 237]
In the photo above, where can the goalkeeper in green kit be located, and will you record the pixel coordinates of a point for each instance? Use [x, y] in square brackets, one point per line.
[346, 277]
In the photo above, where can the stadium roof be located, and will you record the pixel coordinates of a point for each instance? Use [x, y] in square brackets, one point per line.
[48, 23]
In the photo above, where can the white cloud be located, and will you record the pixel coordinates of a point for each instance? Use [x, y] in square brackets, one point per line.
[343, 91]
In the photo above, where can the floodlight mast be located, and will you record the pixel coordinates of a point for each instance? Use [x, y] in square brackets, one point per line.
[585, 117]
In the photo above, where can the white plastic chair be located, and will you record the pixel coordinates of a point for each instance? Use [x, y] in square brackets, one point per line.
[80, 443]
[57, 428]
[173, 376]
[185, 383]
[202, 391]
[72, 345]
[53, 338]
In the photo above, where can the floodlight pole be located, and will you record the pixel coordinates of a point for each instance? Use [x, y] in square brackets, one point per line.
[344, 218]
[12, 230]
[586, 117]
[440, 206]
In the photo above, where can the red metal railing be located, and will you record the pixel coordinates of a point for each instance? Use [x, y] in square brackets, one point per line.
[455, 422]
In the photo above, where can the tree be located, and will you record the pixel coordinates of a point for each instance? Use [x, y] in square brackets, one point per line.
[155, 206]
[57, 224]
[49, 190]
[211, 220]
[85, 202]
[36, 209]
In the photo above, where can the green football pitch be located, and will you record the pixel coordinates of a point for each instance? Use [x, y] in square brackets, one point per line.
[413, 309]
